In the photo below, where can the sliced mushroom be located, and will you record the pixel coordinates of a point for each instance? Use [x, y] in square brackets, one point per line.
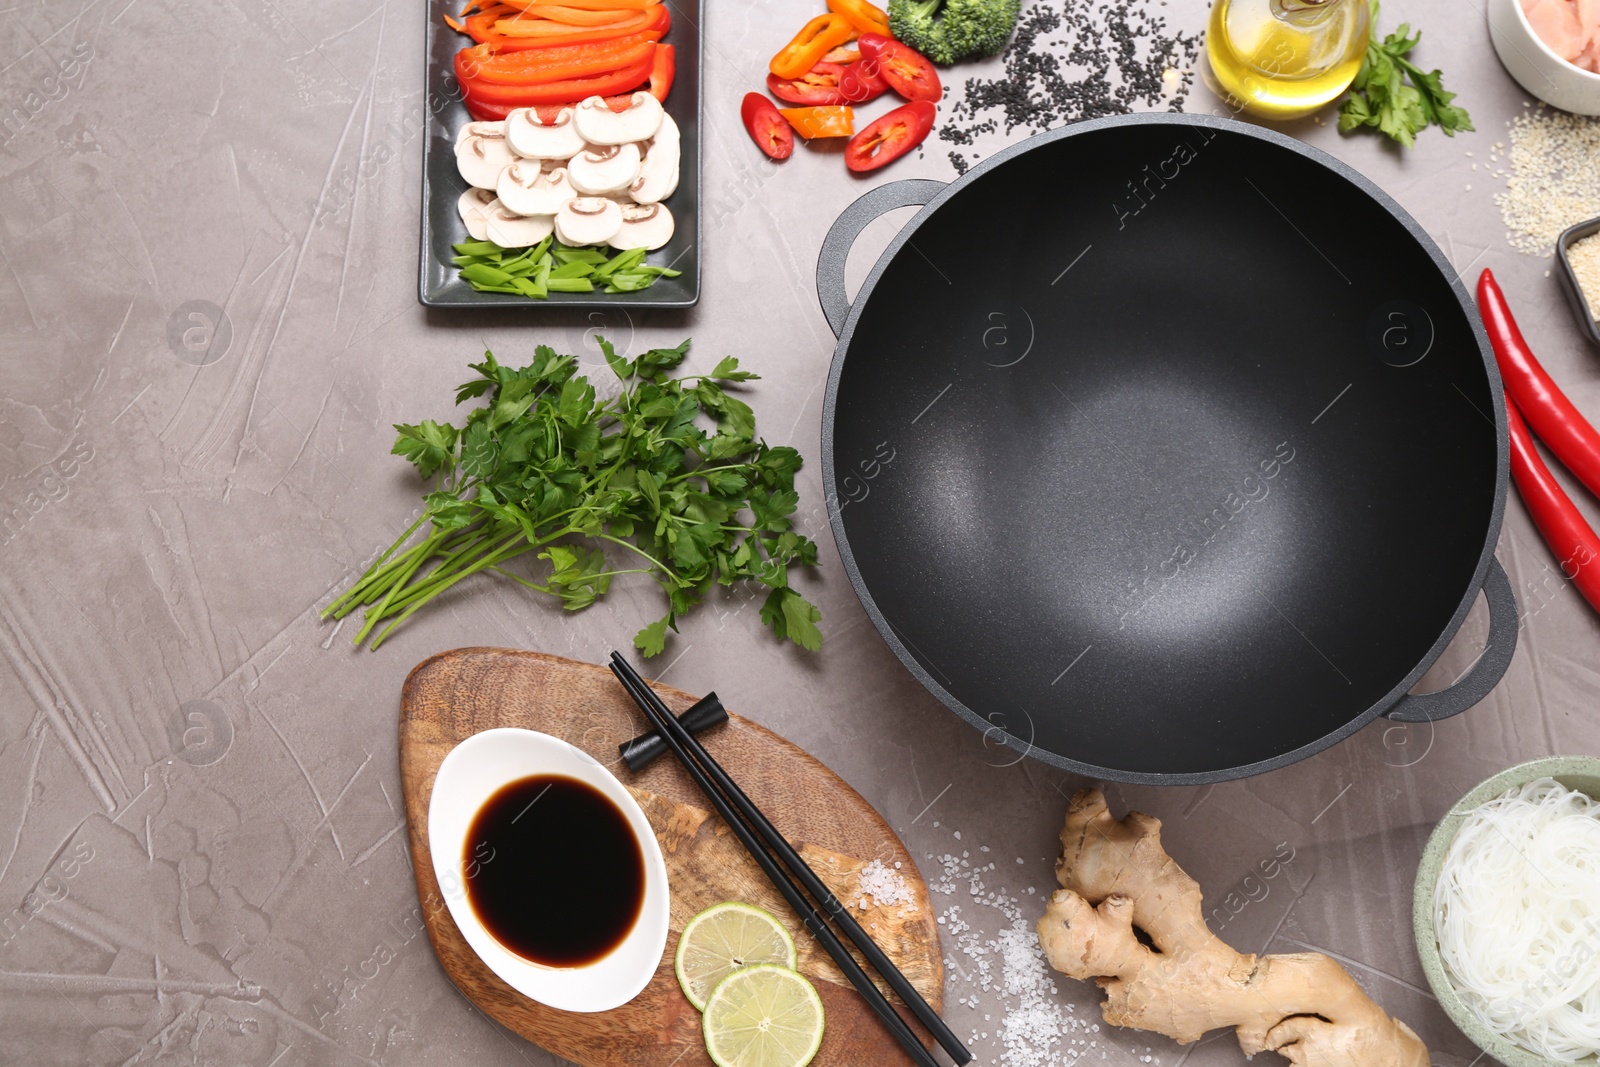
[658, 173]
[601, 125]
[480, 128]
[510, 230]
[528, 190]
[587, 220]
[602, 169]
[643, 226]
[534, 139]
[482, 154]
[472, 205]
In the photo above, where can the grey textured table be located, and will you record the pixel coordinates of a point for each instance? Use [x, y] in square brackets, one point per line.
[241, 895]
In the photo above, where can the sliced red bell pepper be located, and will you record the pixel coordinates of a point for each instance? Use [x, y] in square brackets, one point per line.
[565, 91]
[483, 111]
[1554, 418]
[1576, 547]
[819, 85]
[662, 70]
[823, 121]
[816, 39]
[767, 127]
[906, 70]
[889, 137]
[865, 17]
[861, 82]
[538, 66]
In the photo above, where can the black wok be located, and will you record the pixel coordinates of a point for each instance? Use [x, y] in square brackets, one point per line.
[1167, 448]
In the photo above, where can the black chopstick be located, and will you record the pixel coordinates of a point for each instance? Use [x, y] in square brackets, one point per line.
[830, 904]
[644, 697]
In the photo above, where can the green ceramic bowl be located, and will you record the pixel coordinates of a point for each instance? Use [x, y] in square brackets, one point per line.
[1575, 772]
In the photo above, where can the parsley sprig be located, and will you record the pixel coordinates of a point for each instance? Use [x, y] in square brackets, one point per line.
[548, 466]
[1381, 97]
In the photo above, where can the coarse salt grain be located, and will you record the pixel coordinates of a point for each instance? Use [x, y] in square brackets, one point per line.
[1554, 181]
[886, 887]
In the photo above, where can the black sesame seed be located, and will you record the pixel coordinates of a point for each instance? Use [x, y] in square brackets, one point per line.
[1108, 56]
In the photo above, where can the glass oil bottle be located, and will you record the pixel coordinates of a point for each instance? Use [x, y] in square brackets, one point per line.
[1283, 59]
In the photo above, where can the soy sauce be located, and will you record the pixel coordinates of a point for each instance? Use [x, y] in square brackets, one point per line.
[554, 871]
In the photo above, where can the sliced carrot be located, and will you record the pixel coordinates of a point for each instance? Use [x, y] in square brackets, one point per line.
[592, 5]
[555, 32]
[577, 16]
[602, 5]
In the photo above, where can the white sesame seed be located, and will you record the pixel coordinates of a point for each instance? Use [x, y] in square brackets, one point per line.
[1552, 181]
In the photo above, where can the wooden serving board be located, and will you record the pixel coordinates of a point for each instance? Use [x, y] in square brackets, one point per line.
[456, 694]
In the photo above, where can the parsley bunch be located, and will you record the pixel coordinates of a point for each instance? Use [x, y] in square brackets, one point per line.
[549, 467]
[1381, 97]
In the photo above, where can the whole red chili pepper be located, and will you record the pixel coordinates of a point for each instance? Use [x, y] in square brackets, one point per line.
[1576, 546]
[1553, 417]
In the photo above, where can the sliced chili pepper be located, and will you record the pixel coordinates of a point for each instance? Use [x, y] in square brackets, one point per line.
[865, 17]
[861, 82]
[889, 137]
[816, 39]
[565, 91]
[662, 70]
[538, 66]
[824, 121]
[768, 129]
[906, 70]
[1554, 418]
[819, 85]
[842, 55]
[1574, 543]
[523, 25]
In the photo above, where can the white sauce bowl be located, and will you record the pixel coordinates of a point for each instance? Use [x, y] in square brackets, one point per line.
[472, 773]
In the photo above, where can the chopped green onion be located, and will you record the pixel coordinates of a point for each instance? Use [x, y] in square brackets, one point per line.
[552, 267]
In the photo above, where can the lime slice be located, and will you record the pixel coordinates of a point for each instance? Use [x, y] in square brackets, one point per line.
[763, 1016]
[724, 938]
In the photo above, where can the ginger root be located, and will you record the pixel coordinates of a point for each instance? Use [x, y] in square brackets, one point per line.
[1118, 881]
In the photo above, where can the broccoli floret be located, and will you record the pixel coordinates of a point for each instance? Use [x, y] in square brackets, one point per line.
[950, 30]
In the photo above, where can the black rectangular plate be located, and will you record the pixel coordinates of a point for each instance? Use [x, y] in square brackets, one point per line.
[440, 284]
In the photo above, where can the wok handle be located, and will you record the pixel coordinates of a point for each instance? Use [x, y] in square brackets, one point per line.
[910, 192]
[1486, 673]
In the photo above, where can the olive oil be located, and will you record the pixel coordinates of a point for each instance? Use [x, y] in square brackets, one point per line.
[1283, 59]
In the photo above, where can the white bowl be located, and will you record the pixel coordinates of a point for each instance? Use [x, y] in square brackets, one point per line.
[472, 772]
[1535, 67]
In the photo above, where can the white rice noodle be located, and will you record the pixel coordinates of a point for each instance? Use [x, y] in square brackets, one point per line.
[1517, 915]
